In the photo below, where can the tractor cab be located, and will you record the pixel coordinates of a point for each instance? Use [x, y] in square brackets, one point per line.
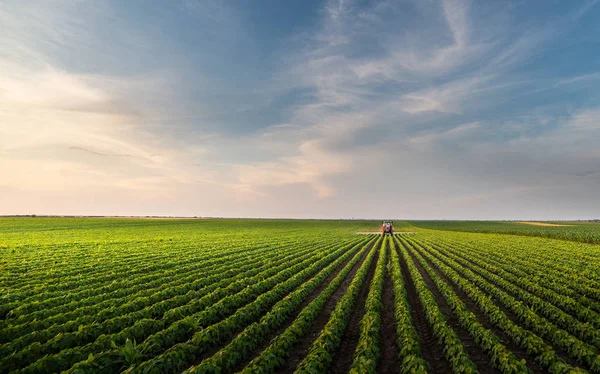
[387, 227]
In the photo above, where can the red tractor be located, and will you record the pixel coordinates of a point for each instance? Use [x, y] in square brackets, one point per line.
[387, 228]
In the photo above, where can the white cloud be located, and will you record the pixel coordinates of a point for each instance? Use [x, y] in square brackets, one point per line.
[586, 120]
[61, 131]
[375, 87]
[347, 96]
[455, 12]
[585, 78]
[454, 133]
[311, 166]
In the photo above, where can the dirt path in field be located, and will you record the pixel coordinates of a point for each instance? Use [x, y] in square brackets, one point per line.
[481, 317]
[476, 354]
[545, 224]
[342, 360]
[389, 351]
[432, 351]
[301, 347]
[314, 294]
[513, 317]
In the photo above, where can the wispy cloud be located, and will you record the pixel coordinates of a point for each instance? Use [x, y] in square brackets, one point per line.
[584, 78]
[54, 123]
[466, 70]
[190, 103]
[433, 138]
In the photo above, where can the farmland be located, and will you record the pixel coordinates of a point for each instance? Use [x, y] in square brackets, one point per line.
[88, 295]
[585, 232]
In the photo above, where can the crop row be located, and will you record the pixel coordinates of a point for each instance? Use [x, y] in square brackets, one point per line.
[525, 339]
[577, 232]
[255, 334]
[109, 305]
[133, 261]
[501, 358]
[150, 274]
[528, 340]
[220, 322]
[574, 287]
[566, 260]
[320, 353]
[527, 257]
[577, 349]
[454, 350]
[72, 347]
[162, 304]
[410, 355]
[274, 355]
[53, 266]
[367, 353]
[553, 305]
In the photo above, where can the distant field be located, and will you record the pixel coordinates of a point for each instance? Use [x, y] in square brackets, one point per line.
[585, 232]
[81, 295]
[544, 224]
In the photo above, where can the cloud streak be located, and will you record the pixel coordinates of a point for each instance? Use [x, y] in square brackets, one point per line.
[194, 109]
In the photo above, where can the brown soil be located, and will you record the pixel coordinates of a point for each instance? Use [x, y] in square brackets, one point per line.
[342, 360]
[301, 347]
[213, 350]
[515, 319]
[389, 350]
[314, 294]
[432, 351]
[476, 354]
[543, 224]
[482, 318]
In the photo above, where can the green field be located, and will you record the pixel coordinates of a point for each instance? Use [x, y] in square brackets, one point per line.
[586, 232]
[88, 295]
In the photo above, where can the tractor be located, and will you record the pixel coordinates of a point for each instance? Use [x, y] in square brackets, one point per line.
[387, 227]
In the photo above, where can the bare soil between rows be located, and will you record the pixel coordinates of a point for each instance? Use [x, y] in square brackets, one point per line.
[301, 347]
[515, 319]
[476, 354]
[389, 350]
[482, 318]
[432, 351]
[342, 360]
[216, 348]
[313, 295]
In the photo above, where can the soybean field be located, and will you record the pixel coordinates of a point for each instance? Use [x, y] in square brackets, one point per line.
[586, 232]
[115, 295]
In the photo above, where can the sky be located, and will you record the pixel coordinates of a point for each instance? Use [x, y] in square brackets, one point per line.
[428, 109]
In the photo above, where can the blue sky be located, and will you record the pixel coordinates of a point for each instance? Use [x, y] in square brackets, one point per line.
[323, 109]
